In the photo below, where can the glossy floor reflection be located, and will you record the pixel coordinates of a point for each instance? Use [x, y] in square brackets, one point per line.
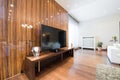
[81, 67]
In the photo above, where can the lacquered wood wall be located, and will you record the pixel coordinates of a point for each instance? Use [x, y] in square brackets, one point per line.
[17, 40]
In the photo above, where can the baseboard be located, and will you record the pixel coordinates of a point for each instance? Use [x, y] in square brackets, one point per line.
[77, 48]
[88, 48]
[93, 49]
[104, 49]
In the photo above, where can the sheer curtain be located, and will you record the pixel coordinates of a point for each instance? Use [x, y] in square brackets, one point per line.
[73, 33]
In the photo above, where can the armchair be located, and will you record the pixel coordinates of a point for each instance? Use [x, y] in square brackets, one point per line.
[113, 53]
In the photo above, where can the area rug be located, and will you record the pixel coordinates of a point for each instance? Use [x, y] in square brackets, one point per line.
[105, 72]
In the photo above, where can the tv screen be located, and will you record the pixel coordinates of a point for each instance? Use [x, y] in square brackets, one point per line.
[52, 38]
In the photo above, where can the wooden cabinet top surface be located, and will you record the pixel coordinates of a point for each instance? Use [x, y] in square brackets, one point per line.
[45, 55]
[42, 56]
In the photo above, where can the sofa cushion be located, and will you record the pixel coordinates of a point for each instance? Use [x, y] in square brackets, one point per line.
[113, 54]
[117, 45]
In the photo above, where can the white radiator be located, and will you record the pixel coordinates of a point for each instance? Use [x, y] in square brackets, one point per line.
[89, 42]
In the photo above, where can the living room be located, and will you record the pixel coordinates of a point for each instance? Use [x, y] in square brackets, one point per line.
[59, 40]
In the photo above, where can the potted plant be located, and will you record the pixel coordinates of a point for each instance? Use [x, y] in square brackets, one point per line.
[99, 46]
[114, 38]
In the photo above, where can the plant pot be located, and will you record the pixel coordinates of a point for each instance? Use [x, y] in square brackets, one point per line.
[99, 49]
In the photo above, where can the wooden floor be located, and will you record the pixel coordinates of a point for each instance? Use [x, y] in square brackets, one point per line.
[81, 67]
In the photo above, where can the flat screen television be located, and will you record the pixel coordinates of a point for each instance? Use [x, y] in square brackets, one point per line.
[52, 38]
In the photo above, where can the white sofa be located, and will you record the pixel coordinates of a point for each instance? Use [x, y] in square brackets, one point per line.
[113, 53]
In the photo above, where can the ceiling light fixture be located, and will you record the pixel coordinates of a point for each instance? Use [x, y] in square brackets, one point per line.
[46, 19]
[11, 5]
[48, 1]
[9, 14]
[27, 26]
[30, 26]
[51, 16]
[10, 10]
[42, 21]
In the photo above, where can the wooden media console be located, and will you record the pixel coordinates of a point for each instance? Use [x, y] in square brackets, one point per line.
[34, 65]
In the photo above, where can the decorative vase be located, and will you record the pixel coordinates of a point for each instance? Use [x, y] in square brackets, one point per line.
[36, 54]
[36, 51]
[99, 49]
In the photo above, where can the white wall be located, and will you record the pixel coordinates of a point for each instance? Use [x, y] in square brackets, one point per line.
[102, 28]
[73, 33]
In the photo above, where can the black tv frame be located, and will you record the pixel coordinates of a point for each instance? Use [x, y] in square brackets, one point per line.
[56, 50]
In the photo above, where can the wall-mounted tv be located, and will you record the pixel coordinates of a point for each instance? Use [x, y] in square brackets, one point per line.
[52, 38]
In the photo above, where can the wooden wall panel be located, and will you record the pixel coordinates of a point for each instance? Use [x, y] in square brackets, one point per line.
[3, 40]
[1, 37]
[17, 37]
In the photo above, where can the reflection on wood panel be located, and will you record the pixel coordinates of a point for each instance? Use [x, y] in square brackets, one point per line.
[20, 23]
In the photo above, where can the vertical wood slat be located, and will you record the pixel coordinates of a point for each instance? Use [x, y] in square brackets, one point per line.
[5, 30]
[1, 39]
[34, 20]
[8, 41]
[16, 41]
[18, 38]
[28, 17]
[50, 15]
[37, 22]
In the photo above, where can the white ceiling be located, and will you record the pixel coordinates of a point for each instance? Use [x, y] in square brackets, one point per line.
[83, 10]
